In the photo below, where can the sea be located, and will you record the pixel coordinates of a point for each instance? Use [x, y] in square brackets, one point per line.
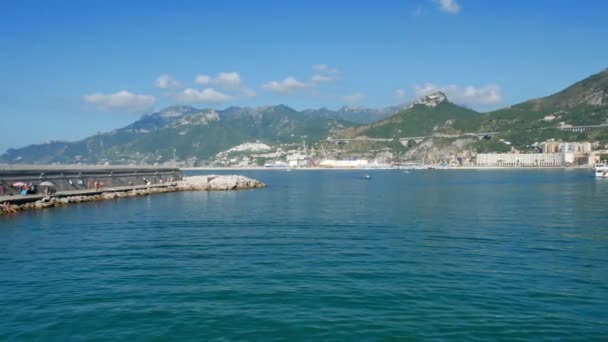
[318, 255]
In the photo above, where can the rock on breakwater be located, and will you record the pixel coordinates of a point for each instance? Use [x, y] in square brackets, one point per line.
[214, 182]
[193, 183]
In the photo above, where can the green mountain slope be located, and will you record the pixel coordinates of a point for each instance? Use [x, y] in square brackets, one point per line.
[584, 103]
[186, 131]
[359, 115]
[426, 116]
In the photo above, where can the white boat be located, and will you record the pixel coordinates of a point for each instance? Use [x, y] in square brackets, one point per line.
[601, 170]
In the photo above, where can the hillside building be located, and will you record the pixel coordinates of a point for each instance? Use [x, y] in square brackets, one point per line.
[567, 147]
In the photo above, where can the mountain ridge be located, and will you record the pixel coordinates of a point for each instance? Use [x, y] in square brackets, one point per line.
[191, 132]
[200, 133]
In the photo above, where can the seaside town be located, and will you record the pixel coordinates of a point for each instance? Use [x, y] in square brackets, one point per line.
[546, 154]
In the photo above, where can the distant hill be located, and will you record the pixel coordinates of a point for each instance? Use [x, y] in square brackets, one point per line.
[190, 132]
[425, 116]
[583, 103]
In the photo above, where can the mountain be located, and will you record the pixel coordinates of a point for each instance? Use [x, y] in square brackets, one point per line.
[186, 131]
[425, 116]
[192, 133]
[359, 115]
[584, 103]
[159, 119]
[520, 126]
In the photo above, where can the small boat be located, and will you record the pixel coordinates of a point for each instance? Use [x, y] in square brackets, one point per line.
[367, 177]
[601, 170]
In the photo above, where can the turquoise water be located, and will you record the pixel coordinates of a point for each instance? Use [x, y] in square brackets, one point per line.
[318, 255]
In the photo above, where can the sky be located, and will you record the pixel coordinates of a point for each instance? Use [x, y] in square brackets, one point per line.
[69, 69]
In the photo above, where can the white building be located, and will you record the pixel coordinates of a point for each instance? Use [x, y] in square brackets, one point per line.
[330, 163]
[520, 159]
[297, 160]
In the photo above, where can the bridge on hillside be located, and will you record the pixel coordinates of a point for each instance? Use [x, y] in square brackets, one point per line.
[581, 128]
[417, 139]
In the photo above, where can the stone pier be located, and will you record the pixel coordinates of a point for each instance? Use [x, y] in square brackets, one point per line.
[140, 182]
[83, 177]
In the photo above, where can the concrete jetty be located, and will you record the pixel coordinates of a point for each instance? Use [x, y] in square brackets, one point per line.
[140, 182]
[83, 177]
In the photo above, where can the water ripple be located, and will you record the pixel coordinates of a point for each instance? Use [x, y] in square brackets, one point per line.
[465, 255]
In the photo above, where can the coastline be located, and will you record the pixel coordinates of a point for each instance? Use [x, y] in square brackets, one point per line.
[585, 167]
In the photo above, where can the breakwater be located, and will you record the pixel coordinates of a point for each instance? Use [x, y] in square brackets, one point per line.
[14, 178]
[10, 204]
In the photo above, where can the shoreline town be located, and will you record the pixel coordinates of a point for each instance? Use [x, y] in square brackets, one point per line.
[260, 156]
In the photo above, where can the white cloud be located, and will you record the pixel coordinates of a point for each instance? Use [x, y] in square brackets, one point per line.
[324, 74]
[120, 101]
[354, 98]
[202, 79]
[228, 81]
[207, 95]
[322, 78]
[165, 81]
[324, 69]
[400, 93]
[289, 85]
[469, 95]
[448, 6]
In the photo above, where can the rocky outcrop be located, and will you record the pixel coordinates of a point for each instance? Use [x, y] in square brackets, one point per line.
[431, 100]
[214, 183]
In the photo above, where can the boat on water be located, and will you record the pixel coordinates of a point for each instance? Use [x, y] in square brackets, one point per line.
[601, 170]
[367, 177]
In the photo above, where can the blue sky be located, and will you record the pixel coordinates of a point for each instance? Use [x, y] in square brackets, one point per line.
[73, 68]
